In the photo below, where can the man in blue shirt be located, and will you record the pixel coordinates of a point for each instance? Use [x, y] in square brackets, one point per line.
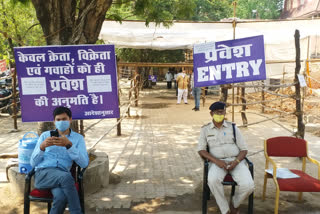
[53, 157]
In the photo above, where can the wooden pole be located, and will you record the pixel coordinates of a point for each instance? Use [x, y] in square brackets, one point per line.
[299, 113]
[130, 95]
[262, 97]
[307, 66]
[234, 37]
[281, 99]
[244, 107]
[118, 119]
[82, 128]
[136, 85]
[14, 94]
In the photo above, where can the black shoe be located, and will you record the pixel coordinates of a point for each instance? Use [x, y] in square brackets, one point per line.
[197, 109]
[194, 108]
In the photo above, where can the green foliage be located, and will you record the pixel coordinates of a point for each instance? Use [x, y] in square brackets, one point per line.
[147, 55]
[212, 10]
[263, 9]
[158, 11]
[18, 27]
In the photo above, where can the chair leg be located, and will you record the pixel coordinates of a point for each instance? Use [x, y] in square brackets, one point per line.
[205, 197]
[264, 187]
[300, 196]
[233, 189]
[250, 205]
[276, 205]
[26, 208]
[49, 207]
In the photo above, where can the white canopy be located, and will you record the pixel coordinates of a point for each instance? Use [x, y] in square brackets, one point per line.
[278, 35]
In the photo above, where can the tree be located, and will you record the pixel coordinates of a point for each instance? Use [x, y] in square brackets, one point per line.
[18, 26]
[212, 10]
[263, 9]
[68, 22]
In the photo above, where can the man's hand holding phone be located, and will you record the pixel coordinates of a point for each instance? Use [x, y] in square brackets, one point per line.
[55, 140]
[60, 141]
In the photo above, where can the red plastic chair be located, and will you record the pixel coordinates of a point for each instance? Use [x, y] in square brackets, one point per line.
[45, 196]
[289, 147]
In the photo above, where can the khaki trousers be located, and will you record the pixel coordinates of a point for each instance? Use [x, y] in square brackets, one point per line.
[240, 174]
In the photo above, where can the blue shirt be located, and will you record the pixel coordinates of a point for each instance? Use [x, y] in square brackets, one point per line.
[58, 156]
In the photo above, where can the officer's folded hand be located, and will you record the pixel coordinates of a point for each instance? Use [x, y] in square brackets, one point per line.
[232, 165]
[222, 164]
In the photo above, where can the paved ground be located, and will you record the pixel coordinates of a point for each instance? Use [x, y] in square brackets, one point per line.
[157, 161]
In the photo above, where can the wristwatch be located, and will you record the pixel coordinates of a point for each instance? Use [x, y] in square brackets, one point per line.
[68, 146]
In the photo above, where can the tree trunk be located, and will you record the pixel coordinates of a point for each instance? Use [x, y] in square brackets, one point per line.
[45, 126]
[299, 110]
[64, 22]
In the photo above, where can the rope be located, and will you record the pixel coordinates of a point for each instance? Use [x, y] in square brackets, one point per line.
[265, 85]
[280, 95]
[313, 79]
[266, 120]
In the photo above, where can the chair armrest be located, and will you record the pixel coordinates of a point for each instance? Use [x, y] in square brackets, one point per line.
[29, 175]
[250, 165]
[314, 161]
[274, 165]
[81, 172]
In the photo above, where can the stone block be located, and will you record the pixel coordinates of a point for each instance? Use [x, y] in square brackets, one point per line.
[96, 175]
[17, 182]
[312, 127]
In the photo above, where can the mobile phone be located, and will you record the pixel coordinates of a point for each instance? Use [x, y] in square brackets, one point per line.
[54, 133]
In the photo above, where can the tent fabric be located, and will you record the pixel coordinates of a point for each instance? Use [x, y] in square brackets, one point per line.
[278, 35]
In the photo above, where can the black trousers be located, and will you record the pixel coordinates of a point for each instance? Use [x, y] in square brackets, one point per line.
[169, 85]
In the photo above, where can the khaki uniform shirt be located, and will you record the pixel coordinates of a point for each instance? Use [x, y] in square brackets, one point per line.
[183, 81]
[221, 141]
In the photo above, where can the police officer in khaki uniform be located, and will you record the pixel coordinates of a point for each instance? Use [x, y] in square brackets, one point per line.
[225, 156]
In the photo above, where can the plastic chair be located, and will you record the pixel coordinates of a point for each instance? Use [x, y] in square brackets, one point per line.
[227, 181]
[45, 196]
[289, 147]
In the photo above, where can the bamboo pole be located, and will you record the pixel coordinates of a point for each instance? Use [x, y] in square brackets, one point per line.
[14, 93]
[234, 23]
[299, 112]
[281, 99]
[262, 98]
[82, 128]
[307, 67]
[118, 119]
[130, 95]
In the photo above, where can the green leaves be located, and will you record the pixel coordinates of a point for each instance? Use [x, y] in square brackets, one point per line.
[18, 26]
[259, 9]
[147, 55]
